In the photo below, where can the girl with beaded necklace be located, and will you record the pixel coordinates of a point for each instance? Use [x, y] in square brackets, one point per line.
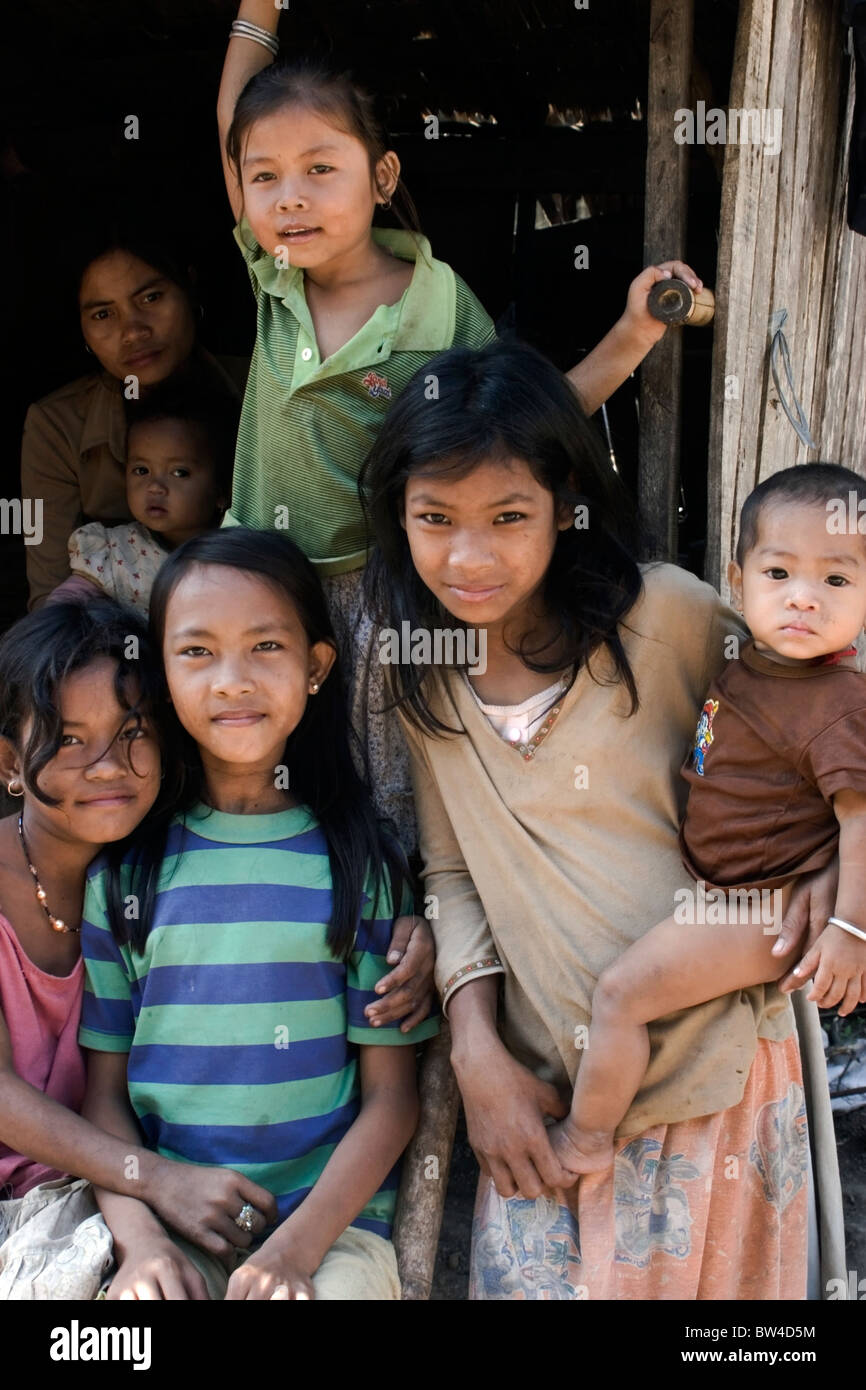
[81, 747]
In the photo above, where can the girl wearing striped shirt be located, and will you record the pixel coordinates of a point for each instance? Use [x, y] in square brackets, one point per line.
[230, 1019]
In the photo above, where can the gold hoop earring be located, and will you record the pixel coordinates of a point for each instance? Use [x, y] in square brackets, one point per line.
[12, 784]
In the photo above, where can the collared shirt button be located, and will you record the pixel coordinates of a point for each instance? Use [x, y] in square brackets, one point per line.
[307, 354]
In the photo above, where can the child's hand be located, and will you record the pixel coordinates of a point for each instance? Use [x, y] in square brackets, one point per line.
[838, 963]
[271, 1273]
[408, 990]
[812, 902]
[156, 1270]
[637, 317]
[202, 1203]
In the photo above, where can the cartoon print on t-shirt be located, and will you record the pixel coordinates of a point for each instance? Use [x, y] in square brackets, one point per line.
[704, 734]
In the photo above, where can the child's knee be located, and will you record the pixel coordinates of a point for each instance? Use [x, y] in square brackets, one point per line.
[613, 998]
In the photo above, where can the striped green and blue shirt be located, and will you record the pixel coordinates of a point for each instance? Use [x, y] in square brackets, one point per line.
[308, 424]
[241, 1027]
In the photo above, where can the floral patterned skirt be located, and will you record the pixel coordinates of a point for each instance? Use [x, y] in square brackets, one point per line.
[712, 1208]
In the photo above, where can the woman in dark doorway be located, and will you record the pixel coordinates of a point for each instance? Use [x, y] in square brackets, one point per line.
[138, 316]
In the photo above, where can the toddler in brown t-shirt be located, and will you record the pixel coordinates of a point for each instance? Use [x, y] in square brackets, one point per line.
[777, 783]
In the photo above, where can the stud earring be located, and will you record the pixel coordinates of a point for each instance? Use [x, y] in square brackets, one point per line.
[314, 688]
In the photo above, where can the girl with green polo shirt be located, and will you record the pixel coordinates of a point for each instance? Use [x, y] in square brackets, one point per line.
[347, 313]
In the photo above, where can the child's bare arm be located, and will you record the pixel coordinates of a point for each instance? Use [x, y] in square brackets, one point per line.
[613, 360]
[354, 1172]
[147, 1268]
[838, 959]
[244, 58]
[197, 1201]
[33, 1124]
[849, 808]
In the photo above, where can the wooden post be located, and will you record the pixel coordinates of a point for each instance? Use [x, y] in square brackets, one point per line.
[426, 1164]
[670, 62]
[783, 244]
[716, 546]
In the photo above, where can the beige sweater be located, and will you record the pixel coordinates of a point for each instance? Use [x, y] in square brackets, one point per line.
[554, 880]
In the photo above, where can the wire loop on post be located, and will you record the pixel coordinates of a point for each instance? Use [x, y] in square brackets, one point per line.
[779, 349]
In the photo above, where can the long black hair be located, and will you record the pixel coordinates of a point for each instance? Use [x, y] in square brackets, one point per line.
[41, 650]
[505, 401]
[36, 655]
[318, 753]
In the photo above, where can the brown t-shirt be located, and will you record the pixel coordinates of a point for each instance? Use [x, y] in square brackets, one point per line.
[773, 745]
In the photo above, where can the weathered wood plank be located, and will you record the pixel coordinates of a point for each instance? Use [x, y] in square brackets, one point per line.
[732, 298]
[421, 1198]
[748, 223]
[795, 218]
[784, 244]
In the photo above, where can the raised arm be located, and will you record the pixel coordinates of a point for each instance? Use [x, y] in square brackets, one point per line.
[623, 349]
[244, 58]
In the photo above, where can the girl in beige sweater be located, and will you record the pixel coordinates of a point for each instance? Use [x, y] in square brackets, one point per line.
[546, 779]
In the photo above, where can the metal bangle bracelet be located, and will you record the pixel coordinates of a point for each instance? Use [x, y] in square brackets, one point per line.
[242, 30]
[273, 49]
[247, 26]
[846, 926]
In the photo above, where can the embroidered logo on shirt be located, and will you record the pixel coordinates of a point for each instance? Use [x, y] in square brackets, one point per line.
[704, 734]
[377, 385]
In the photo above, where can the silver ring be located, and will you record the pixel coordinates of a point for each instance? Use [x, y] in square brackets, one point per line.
[245, 1216]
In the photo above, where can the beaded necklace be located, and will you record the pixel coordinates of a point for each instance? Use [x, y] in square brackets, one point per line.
[57, 923]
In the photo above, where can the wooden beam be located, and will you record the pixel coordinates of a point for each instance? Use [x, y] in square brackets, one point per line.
[728, 306]
[670, 62]
[783, 244]
[426, 1163]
